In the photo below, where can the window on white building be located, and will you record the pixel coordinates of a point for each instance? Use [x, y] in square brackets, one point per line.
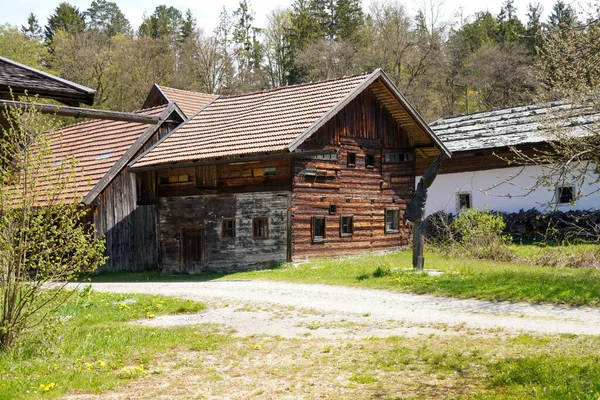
[463, 200]
[565, 194]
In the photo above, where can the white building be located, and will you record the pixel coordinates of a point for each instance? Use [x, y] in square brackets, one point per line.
[475, 177]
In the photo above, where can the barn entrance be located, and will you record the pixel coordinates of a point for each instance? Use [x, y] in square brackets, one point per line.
[192, 249]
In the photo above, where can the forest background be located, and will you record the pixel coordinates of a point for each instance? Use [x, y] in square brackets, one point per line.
[444, 67]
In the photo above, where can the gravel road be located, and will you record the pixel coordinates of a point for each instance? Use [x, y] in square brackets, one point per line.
[302, 310]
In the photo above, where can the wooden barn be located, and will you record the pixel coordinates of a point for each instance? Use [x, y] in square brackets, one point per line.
[319, 169]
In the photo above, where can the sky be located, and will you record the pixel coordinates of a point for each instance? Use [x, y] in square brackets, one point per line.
[207, 12]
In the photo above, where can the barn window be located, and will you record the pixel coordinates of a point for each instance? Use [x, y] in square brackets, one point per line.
[351, 159]
[463, 200]
[392, 219]
[346, 225]
[394, 158]
[565, 194]
[370, 160]
[332, 209]
[318, 229]
[332, 156]
[260, 228]
[206, 176]
[228, 228]
[164, 180]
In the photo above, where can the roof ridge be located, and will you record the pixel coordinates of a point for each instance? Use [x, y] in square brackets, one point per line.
[284, 87]
[96, 120]
[551, 103]
[184, 90]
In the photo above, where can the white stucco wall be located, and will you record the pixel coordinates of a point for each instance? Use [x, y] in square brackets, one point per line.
[442, 194]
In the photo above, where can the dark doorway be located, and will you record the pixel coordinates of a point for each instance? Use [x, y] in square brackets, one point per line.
[192, 249]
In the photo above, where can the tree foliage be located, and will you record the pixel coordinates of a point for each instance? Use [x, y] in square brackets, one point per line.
[44, 241]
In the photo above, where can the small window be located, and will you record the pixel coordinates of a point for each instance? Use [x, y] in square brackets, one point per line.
[392, 219]
[463, 200]
[332, 209]
[565, 194]
[332, 156]
[183, 178]
[228, 228]
[346, 225]
[260, 228]
[318, 229]
[164, 180]
[351, 159]
[369, 160]
[393, 158]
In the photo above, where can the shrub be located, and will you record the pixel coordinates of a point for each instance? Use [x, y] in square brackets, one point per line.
[480, 235]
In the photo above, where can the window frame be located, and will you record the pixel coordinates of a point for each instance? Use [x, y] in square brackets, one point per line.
[314, 237]
[255, 221]
[458, 201]
[558, 194]
[349, 155]
[397, 220]
[369, 157]
[351, 225]
[225, 229]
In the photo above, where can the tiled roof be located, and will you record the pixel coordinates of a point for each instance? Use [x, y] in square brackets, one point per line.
[189, 102]
[513, 126]
[21, 78]
[251, 123]
[275, 120]
[96, 146]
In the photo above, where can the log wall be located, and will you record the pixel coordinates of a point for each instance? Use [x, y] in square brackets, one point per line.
[204, 214]
[363, 127]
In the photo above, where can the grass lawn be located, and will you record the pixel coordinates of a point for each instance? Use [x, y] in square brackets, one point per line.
[88, 346]
[462, 277]
[90, 351]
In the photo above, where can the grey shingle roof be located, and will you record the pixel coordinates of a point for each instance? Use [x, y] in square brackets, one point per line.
[513, 126]
[20, 78]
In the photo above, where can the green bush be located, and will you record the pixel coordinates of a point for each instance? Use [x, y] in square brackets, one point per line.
[480, 235]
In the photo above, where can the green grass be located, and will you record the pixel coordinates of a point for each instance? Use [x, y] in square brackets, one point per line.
[88, 347]
[461, 277]
[464, 278]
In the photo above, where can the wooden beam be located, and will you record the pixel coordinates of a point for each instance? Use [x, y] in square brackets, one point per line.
[234, 160]
[83, 112]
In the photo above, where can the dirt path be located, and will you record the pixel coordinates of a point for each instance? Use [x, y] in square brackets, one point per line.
[302, 310]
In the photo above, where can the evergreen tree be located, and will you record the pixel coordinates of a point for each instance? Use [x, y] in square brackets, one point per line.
[66, 18]
[510, 29]
[349, 19]
[164, 23]
[534, 38]
[562, 16]
[189, 25]
[106, 17]
[33, 29]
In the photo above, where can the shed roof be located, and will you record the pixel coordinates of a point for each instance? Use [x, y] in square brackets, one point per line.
[279, 120]
[189, 102]
[20, 79]
[513, 126]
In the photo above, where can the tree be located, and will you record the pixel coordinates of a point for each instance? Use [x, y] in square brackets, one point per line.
[43, 240]
[510, 29]
[188, 27]
[66, 18]
[248, 50]
[278, 47]
[106, 17]
[534, 30]
[562, 16]
[164, 23]
[33, 29]
[570, 62]
[21, 48]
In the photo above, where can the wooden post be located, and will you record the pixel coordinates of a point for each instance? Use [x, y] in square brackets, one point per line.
[418, 245]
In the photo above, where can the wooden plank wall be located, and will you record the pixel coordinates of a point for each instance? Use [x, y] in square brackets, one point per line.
[363, 127]
[130, 229]
[206, 212]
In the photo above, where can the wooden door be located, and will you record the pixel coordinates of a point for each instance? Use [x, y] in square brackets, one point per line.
[192, 249]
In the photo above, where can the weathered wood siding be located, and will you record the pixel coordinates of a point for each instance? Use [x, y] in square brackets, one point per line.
[363, 127]
[205, 213]
[130, 229]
